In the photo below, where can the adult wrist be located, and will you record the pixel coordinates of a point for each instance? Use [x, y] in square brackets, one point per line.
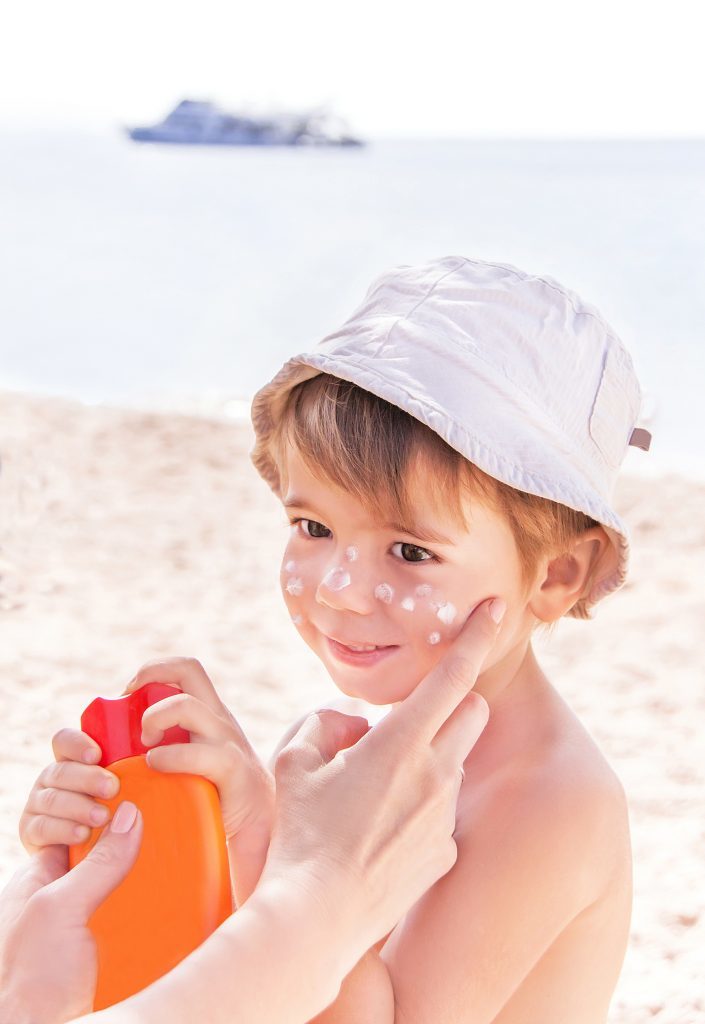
[315, 912]
[321, 944]
[14, 1010]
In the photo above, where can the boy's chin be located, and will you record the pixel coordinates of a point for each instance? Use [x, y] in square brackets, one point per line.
[390, 692]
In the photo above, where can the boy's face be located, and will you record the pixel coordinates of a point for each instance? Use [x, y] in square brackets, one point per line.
[350, 581]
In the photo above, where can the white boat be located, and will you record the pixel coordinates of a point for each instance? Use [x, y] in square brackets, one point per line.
[201, 123]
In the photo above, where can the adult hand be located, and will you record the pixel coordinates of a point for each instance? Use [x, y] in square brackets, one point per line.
[48, 957]
[364, 818]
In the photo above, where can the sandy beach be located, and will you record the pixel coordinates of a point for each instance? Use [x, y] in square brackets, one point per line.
[128, 536]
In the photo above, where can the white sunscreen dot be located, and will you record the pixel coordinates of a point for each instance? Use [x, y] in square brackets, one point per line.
[337, 579]
[297, 619]
[290, 566]
[424, 590]
[351, 553]
[447, 612]
[408, 604]
[295, 586]
[434, 638]
[384, 592]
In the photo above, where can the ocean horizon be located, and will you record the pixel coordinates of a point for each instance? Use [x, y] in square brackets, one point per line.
[180, 278]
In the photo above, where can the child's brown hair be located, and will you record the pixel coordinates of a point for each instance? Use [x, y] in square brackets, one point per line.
[365, 445]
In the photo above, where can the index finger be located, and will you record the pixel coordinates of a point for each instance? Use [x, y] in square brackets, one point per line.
[434, 700]
[74, 745]
[186, 673]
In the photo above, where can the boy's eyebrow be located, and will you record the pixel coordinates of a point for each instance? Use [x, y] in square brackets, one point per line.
[418, 530]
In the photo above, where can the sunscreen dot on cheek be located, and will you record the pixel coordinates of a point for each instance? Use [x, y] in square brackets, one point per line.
[424, 590]
[434, 638]
[295, 586]
[385, 593]
[290, 567]
[408, 604]
[351, 553]
[297, 619]
[447, 612]
[336, 579]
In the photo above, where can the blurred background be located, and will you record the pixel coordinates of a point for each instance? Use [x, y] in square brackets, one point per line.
[563, 139]
[148, 288]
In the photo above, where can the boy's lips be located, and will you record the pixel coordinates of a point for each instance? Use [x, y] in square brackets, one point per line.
[359, 654]
[358, 643]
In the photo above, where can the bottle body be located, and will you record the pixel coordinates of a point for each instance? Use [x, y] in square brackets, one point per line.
[177, 892]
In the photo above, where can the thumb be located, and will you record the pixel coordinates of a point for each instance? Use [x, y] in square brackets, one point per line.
[323, 734]
[89, 883]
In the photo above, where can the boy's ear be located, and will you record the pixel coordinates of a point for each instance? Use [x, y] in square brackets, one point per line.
[568, 576]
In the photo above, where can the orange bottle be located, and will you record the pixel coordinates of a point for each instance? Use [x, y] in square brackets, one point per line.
[178, 890]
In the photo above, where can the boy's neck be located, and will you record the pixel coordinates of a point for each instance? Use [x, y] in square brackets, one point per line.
[515, 677]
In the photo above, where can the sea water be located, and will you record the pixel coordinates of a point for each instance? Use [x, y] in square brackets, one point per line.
[182, 277]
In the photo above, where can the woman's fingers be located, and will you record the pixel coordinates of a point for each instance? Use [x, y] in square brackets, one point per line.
[320, 737]
[84, 888]
[456, 737]
[74, 745]
[188, 712]
[434, 700]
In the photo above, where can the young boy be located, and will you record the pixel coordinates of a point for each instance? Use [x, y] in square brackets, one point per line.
[458, 437]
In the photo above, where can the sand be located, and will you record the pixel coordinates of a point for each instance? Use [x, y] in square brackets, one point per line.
[128, 536]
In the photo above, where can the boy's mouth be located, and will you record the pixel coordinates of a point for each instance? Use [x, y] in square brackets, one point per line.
[359, 653]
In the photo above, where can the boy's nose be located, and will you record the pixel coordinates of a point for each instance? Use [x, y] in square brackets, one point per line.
[345, 586]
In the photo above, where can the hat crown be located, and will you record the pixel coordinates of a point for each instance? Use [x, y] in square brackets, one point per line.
[534, 331]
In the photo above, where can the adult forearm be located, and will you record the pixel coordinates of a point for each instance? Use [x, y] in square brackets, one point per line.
[365, 995]
[271, 962]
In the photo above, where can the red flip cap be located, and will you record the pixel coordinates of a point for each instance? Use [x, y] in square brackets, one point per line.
[116, 723]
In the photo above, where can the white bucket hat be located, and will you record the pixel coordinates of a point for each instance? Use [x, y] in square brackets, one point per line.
[512, 370]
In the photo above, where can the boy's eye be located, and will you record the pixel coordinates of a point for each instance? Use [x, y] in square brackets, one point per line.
[412, 552]
[312, 528]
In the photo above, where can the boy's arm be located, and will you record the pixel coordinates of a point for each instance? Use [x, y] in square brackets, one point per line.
[544, 854]
[467, 945]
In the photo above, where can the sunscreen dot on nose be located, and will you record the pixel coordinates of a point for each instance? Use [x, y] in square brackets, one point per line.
[424, 590]
[297, 619]
[337, 579]
[385, 593]
[408, 604]
[295, 586]
[351, 553]
[290, 567]
[434, 638]
[447, 612]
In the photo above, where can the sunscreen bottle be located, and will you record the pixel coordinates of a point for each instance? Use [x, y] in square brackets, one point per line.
[178, 890]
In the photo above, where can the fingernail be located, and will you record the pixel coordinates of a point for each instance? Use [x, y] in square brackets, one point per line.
[99, 815]
[497, 609]
[124, 817]
[109, 786]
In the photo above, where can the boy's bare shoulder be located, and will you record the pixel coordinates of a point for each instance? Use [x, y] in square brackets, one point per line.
[542, 878]
[560, 789]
